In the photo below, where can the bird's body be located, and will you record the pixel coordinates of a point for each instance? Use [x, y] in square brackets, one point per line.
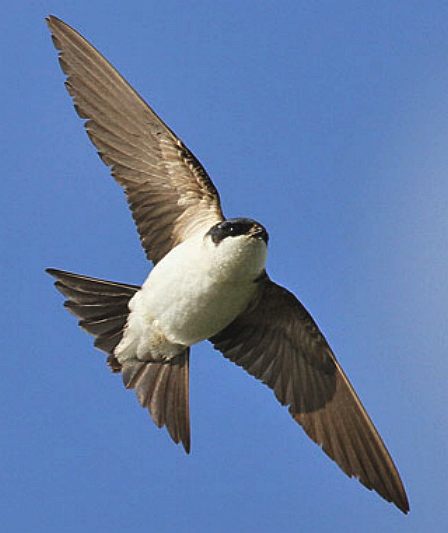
[194, 292]
[208, 282]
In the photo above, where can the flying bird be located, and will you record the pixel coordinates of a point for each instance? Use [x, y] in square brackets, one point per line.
[208, 282]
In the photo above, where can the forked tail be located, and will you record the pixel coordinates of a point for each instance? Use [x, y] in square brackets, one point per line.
[102, 309]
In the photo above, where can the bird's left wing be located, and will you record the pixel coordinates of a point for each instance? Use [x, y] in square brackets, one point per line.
[170, 194]
[277, 341]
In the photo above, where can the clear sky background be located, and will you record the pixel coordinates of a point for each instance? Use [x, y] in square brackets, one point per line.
[328, 122]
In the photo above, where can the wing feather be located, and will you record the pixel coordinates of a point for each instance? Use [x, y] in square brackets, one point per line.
[276, 340]
[170, 194]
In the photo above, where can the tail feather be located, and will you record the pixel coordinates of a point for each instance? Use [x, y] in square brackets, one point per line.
[163, 389]
[102, 307]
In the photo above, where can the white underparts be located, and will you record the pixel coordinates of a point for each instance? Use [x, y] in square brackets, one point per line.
[191, 294]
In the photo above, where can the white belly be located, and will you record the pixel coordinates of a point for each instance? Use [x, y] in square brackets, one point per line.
[191, 294]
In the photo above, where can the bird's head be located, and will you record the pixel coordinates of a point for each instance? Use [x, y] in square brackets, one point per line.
[238, 228]
[239, 245]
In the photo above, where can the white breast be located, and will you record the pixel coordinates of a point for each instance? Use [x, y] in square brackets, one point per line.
[191, 294]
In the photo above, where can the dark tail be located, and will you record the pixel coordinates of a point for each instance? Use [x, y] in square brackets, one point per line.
[163, 389]
[102, 307]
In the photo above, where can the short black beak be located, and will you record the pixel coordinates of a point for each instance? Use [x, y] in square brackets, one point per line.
[258, 232]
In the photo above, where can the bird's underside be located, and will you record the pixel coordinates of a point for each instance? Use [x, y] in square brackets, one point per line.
[173, 201]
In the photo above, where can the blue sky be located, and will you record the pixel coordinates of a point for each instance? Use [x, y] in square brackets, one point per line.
[328, 122]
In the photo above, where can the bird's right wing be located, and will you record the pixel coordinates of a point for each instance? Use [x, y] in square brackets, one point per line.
[170, 194]
[277, 341]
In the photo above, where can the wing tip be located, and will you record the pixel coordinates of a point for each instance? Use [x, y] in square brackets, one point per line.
[58, 274]
[52, 20]
[187, 444]
[402, 503]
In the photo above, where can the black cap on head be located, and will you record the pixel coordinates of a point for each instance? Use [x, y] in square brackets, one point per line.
[232, 227]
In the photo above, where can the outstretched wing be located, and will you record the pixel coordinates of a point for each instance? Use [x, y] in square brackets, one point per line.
[169, 192]
[277, 341]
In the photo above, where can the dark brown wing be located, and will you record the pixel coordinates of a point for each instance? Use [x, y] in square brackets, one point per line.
[278, 342]
[169, 192]
[101, 306]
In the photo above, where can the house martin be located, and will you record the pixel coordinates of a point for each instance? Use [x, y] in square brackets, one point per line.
[208, 282]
